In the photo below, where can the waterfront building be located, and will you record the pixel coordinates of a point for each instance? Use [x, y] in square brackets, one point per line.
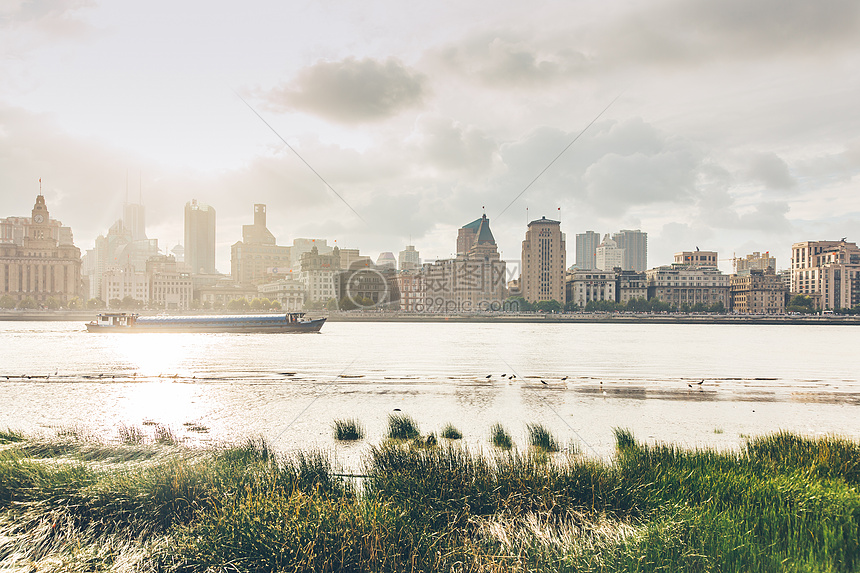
[290, 293]
[257, 257]
[609, 256]
[586, 249]
[474, 280]
[828, 272]
[631, 285]
[386, 260]
[697, 258]
[634, 247]
[409, 259]
[170, 288]
[38, 259]
[179, 252]
[302, 246]
[757, 291]
[200, 238]
[369, 288]
[543, 262]
[586, 285]
[350, 258]
[685, 285]
[320, 274]
[219, 290]
[410, 284]
[121, 282]
[755, 261]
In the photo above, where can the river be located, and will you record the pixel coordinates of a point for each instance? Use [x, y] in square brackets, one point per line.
[289, 388]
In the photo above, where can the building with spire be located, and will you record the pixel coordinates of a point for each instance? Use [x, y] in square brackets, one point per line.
[473, 281]
[543, 262]
[42, 264]
[609, 256]
[257, 258]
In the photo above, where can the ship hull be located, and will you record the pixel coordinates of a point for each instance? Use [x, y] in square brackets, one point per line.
[237, 325]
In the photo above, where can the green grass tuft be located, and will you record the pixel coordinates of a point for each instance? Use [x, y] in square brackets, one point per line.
[348, 430]
[449, 432]
[500, 437]
[541, 438]
[624, 439]
[402, 427]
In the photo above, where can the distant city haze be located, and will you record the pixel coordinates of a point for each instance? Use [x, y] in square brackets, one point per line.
[735, 130]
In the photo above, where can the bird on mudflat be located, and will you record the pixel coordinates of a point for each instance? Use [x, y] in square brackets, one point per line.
[503, 375]
[701, 382]
[565, 378]
[542, 382]
[489, 376]
[690, 385]
[513, 376]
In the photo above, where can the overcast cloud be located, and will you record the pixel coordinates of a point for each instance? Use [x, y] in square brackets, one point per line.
[736, 129]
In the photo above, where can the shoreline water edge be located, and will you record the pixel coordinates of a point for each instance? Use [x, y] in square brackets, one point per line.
[498, 318]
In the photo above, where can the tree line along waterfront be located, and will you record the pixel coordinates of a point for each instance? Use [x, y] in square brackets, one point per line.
[422, 502]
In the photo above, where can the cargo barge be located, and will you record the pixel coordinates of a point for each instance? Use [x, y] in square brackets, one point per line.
[246, 323]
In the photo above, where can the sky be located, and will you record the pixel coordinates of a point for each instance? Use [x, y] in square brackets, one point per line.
[731, 126]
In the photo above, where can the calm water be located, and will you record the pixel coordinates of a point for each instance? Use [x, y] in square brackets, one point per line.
[289, 388]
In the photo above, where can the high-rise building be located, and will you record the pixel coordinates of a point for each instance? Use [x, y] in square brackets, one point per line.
[257, 258]
[586, 250]
[41, 267]
[543, 262]
[200, 238]
[134, 219]
[409, 259]
[320, 274]
[827, 271]
[609, 256]
[635, 249]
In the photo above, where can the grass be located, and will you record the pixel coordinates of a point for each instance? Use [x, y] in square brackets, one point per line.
[449, 432]
[348, 430]
[541, 438]
[402, 427]
[782, 502]
[500, 437]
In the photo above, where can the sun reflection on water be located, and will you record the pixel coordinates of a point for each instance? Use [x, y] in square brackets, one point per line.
[160, 354]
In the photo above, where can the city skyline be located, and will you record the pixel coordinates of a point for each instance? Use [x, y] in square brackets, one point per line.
[735, 129]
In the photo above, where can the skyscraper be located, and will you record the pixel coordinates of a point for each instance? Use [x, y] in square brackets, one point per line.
[586, 249]
[200, 238]
[635, 245]
[133, 218]
[543, 262]
[409, 259]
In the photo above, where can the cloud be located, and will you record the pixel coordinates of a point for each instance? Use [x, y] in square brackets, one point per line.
[352, 91]
[503, 58]
[772, 171]
[451, 145]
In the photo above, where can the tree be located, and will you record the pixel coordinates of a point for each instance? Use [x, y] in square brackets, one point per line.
[571, 306]
[256, 304]
[74, 303]
[331, 304]
[718, 307]
[7, 301]
[238, 305]
[518, 304]
[115, 303]
[548, 306]
[27, 303]
[800, 303]
[130, 303]
[95, 303]
[52, 303]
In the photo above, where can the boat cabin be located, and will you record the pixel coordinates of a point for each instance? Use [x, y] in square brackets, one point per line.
[116, 319]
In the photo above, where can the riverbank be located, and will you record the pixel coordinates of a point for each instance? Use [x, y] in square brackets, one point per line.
[782, 502]
[499, 318]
